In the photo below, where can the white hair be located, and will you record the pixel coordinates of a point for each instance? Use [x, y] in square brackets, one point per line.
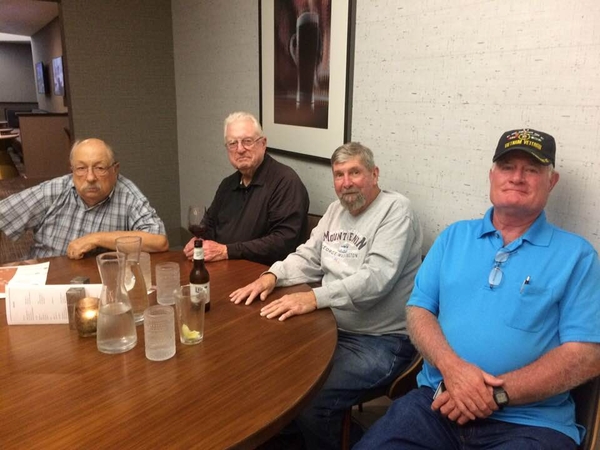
[241, 115]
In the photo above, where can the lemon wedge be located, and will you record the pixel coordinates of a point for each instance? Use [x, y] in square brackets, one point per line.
[189, 334]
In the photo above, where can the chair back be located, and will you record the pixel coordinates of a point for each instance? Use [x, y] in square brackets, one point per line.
[407, 380]
[587, 411]
[11, 251]
[312, 221]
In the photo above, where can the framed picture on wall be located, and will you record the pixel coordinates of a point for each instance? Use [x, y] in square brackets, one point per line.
[58, 76]
[306, 63]
[40, 78]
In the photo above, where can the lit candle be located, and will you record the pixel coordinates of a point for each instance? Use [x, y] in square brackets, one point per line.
[86, 316]
[89, 314]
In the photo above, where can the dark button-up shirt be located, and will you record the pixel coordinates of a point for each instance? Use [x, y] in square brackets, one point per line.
[264, 221]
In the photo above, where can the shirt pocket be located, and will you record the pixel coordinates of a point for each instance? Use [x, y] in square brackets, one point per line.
[529, 310]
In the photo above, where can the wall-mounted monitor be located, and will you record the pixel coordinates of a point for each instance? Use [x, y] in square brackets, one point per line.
[41, 78]
[58, 78]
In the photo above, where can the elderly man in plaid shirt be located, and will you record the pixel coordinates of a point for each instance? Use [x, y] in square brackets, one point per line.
[83, 211]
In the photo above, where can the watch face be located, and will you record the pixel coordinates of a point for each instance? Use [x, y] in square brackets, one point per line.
[500, 397]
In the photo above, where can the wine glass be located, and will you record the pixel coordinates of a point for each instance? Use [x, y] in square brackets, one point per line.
[195, 223]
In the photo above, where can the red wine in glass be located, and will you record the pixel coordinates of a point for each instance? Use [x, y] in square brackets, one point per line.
[197, 230]
[195, 223]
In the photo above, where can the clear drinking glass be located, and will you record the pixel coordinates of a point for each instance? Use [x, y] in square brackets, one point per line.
[167, 282]
[190, 315]
[159, 332]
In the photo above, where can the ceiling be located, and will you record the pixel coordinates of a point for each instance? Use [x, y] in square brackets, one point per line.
[25, 17]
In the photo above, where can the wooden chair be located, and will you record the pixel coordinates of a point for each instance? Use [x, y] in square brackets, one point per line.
[587, 411]
[312, 221]
[405, 382]
[15, 250]
[18, 250]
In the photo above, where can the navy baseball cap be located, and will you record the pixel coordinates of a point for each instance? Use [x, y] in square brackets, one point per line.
[537, 143]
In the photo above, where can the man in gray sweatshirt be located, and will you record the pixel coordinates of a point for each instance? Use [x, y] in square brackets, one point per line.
[365, 252]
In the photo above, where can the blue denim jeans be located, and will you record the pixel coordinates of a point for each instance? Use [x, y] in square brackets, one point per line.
[411, 424]
[360, 363]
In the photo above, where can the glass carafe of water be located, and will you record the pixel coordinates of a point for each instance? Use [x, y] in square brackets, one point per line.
[130, 247]
[116, 327]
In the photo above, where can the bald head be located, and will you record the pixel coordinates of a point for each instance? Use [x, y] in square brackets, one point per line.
[92, 143]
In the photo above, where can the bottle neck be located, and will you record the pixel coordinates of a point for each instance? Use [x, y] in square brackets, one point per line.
[198, 254]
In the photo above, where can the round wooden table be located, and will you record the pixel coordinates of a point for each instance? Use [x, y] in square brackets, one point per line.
[246, 380]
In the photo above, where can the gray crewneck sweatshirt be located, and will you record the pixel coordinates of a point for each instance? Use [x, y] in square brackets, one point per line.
[366, 264]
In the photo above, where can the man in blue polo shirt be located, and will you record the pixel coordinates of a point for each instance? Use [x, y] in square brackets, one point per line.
[506, 312]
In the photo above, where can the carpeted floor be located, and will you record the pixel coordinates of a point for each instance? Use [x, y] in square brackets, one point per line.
[371, 411]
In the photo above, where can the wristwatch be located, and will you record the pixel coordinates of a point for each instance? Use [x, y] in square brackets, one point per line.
[500, 397]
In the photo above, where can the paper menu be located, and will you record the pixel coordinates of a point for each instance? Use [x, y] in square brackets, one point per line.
[30, 305]
[33, 274]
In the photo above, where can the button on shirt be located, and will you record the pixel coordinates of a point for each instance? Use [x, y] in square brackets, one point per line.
[57, 215]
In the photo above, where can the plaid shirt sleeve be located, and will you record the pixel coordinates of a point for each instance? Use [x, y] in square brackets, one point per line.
[23, 211]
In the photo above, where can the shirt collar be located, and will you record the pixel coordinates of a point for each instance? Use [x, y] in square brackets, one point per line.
[260, 176]
[539, 233]
[80, 200]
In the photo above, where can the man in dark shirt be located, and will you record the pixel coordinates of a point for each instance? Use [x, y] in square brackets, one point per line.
[259, 213]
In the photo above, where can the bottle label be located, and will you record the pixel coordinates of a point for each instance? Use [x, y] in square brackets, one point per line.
[198, 253]
[203, 290]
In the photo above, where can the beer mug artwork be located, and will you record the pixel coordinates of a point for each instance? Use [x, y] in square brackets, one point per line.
[305, 48]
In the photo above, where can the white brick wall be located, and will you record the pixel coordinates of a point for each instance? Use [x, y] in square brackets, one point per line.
[435, 84]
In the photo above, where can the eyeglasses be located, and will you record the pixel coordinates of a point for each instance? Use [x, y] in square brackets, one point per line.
[247, 143]
[496, 273]
[99, 171]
